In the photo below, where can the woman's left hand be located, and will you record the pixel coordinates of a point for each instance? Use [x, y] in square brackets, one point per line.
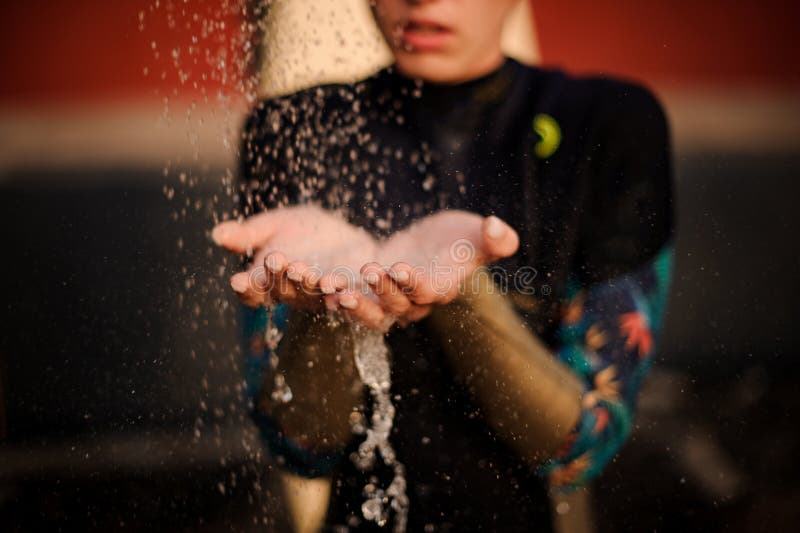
[429, 262]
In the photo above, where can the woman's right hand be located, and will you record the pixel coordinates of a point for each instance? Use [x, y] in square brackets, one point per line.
[430, 261]
[301, 256]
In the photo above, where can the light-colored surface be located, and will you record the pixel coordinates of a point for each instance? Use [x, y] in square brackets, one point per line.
[128, 135]
[745, 122]
[748, 121]
[307, 501]
[309, 42]
[519, 35]
[572, 512]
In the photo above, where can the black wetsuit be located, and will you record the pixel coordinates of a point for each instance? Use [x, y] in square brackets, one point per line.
[580, 167]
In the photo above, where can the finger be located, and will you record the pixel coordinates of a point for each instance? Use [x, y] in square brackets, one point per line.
[232, 236]
[248, 288]
[445, 285]
[390, 296]
[294, 274]
[306, 277]
[307, 294]
[337, 280]
[282, 289]
[275, 264]
[414, 283]
[364, 310]
[499, 239]
[244, 237]
[330, 301]
[415, 314]
[311, 278]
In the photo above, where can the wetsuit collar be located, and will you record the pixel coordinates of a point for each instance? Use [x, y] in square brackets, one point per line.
[486, 88]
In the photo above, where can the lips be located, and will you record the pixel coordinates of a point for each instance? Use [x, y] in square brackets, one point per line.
[425, 35]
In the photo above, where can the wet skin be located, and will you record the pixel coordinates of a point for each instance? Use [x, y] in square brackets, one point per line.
[312, 259]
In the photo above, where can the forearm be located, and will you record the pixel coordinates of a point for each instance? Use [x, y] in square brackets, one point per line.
[529, 397]
[316, 360]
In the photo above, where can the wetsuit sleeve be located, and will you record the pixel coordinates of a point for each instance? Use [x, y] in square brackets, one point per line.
[264, 184]
[616, 302]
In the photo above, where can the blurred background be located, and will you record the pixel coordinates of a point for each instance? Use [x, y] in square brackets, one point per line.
[119, 382]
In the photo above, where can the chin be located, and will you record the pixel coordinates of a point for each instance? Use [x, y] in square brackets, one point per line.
[431, 67]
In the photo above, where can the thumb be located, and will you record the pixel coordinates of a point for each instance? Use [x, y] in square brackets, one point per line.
[499, 239]
[233, 236]
[244, 237]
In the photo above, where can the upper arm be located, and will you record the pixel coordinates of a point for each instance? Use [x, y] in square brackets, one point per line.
[615, 308]
[263, 165]
[290, 149]
[627, 216]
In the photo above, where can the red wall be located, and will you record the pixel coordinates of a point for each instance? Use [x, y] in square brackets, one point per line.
[676, 42]
[59, 51]
[90, 50]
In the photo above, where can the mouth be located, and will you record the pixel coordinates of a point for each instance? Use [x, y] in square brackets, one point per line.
[424, 35]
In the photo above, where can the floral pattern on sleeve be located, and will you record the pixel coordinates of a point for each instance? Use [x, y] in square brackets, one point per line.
[608, 334]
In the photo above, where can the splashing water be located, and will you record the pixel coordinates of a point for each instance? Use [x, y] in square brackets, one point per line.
[205, 55]
[372, 363]
[281, 392]
[217, 64]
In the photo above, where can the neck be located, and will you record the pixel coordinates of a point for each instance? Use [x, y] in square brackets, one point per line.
[477, 69]
[486, 65]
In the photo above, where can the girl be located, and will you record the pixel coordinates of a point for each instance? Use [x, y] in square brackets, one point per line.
[413, 180]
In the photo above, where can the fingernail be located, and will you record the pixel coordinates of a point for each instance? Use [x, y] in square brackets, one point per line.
[371, 278]
[495, 228]
[400, 277]
[294, 275]
[330, 305]
[327, 289]
[238, 285]
[348, 302]
[272, 263]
